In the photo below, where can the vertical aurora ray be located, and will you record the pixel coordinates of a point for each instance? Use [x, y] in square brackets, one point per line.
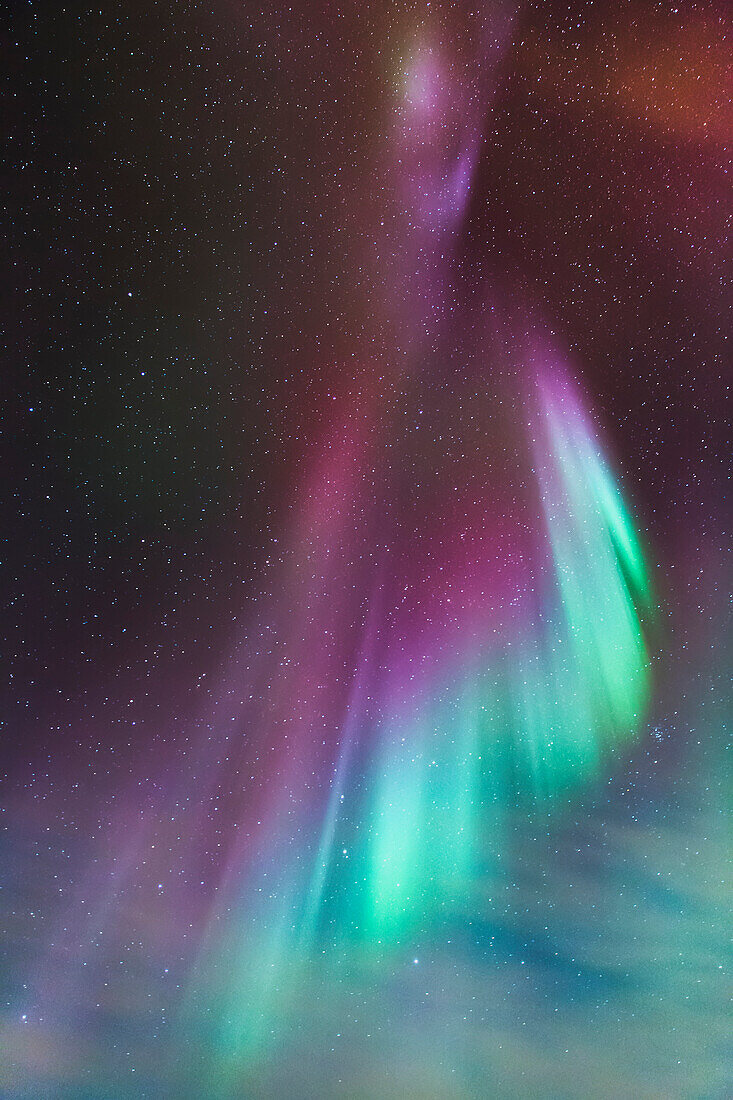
[354, 718]
[570, 686]
[425, 812]
[599, 569]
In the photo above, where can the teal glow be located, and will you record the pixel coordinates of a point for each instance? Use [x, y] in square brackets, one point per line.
[535, 720]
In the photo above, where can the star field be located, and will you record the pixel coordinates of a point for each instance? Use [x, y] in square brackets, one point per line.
[366, 551]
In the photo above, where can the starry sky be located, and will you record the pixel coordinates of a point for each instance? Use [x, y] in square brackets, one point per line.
[366, 558]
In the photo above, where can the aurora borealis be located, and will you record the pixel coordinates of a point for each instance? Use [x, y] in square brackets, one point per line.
[366, 566]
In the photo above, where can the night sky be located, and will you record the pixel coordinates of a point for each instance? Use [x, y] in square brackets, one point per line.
[366, 551]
